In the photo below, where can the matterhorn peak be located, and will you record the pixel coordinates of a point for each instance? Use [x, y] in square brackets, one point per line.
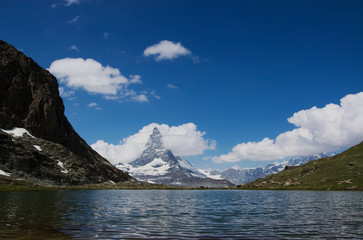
[159, 165]
[155, 139]
[156, 131]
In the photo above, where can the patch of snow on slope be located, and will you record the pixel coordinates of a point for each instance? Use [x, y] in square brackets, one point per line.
[4, 173]
[210, 175]
[60, 164]
[185, 164]
[37, 148]
[155, 168]
[17, 132]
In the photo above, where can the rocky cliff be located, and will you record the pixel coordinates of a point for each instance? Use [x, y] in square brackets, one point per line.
[29, 99]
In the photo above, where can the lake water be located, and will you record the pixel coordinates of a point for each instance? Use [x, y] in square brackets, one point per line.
[194, 214]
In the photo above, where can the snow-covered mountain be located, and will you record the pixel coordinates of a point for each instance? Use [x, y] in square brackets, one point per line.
[159, 165]
[240, 176]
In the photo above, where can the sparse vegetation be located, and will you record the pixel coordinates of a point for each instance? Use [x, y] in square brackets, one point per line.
[10, 184]
[341, 172]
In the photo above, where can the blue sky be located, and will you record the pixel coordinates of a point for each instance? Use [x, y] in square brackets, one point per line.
[243, 68]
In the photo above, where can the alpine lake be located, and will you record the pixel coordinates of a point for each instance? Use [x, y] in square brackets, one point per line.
[181, 214]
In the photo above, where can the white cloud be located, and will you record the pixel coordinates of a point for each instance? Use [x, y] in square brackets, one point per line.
[166, 50]
[94, 105]
[182, 140]
[90, 75]
[317, 130]
[64, 93]
[73, 20]
[74, 47]
[70, 2]
[135, 79]
[169, 85]
[140, 98]
[106, 35]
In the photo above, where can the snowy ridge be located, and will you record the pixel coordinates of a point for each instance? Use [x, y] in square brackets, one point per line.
[210, 173]
[240, 176]
[156, 167]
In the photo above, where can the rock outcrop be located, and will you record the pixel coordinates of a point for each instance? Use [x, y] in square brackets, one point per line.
[29, 99]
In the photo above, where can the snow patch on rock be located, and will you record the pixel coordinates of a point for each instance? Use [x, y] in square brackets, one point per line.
[209, 174]
[4, 173]
[17, 132]
[61, 165]
[37, 148]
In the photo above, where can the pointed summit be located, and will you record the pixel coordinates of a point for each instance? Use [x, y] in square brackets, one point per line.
[156, 131]
[156, 134]
[154, 140]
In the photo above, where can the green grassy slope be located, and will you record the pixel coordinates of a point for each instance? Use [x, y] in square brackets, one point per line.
[340, 172]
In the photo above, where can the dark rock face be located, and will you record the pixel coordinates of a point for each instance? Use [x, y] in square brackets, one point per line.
[29, 99]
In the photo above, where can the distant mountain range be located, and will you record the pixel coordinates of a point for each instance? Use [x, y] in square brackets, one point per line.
[343, 171]
[240, 176]
[159, 165]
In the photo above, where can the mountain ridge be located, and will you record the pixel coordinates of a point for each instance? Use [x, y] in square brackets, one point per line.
[241, 176]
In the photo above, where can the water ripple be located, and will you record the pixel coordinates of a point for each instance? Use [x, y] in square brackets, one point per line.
[205, 214]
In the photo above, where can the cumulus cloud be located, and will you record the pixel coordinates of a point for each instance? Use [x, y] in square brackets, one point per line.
[73, 20]
[172, 86]
[166, 50]
[317, 130]
[182, 140]
[90, 75]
